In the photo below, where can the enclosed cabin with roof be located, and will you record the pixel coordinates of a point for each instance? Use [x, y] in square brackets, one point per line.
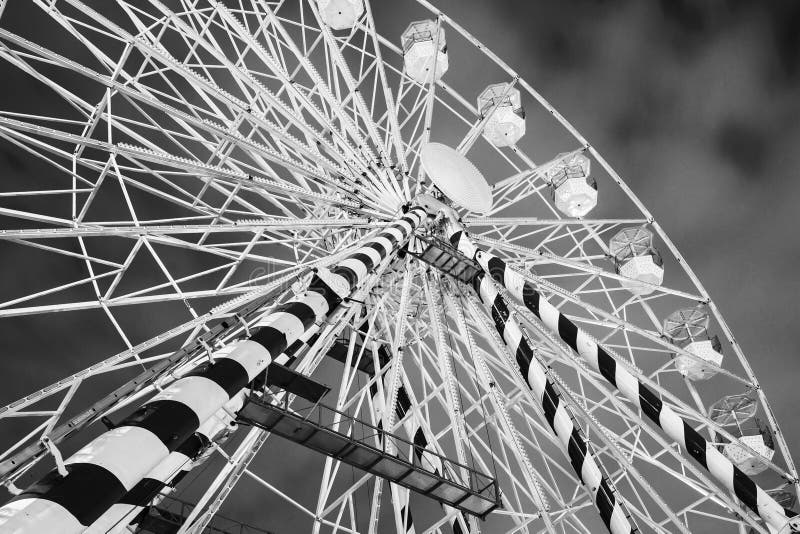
[424, 52]
[637, 260]
[687, 329]
[500, 106]
[738, 413]
[340, 14]
[574, 190]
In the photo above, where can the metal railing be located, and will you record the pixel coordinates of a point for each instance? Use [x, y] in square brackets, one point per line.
[361, 434]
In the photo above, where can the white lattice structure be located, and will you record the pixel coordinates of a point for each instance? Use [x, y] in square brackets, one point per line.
[241, 182]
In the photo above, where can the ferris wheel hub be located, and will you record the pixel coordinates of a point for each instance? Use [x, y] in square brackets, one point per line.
[456, 177]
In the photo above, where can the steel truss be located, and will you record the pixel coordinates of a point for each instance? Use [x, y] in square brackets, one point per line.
[198, 164]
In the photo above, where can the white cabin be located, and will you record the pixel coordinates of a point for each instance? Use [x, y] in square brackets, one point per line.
[574, 190]
[695, 370]
[340, 14]
[687, 329]
[503, 105]
[750, 464]
[422, 58]
[637, 260]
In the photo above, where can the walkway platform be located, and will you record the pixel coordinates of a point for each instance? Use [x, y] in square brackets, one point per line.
[447, 259]
[314, 428]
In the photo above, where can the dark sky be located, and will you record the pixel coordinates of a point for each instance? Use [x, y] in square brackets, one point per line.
[697, 105]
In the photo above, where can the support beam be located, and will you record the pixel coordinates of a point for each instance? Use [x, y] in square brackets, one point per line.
[102, 472]
[558, 413]
[661, 414]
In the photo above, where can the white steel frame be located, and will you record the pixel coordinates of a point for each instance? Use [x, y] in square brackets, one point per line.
[243, 143]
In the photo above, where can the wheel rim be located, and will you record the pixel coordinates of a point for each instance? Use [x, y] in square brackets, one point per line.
[237, 155]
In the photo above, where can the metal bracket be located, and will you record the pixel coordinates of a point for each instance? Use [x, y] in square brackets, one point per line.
[244, 325]
[12, 488]
[209, 350]
[50, 446]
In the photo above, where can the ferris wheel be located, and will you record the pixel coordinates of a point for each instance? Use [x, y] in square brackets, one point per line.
[303, 265]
